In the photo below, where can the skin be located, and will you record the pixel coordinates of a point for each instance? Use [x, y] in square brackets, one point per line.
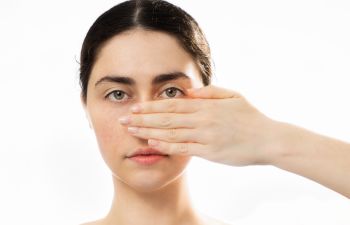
[142, 194]
[251, 138]
[192, 124]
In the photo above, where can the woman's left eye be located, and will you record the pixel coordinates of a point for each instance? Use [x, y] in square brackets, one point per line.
[171, 92]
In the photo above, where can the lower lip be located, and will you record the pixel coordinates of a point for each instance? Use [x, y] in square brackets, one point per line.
[148, 159]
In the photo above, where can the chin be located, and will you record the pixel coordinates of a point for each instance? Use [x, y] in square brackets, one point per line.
[150, 180]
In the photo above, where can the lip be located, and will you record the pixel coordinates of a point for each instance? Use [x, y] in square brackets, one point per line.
[146, 151]
[147, 156]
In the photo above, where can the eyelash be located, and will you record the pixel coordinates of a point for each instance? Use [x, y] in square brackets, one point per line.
[110, 94]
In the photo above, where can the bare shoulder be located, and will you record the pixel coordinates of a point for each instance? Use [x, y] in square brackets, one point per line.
[96, 222]
[207, 220]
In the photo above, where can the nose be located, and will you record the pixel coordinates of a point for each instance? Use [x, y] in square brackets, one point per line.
[144, 96]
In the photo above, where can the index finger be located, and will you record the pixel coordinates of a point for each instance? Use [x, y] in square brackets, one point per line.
[178, 105]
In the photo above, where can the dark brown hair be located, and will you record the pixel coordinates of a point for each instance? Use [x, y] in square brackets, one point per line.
[156, 15]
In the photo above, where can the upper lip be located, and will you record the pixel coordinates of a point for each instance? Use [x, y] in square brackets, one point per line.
[146, 151]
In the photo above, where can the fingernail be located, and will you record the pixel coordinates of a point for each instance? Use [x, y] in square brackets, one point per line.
[152, 142]
[133, 130]
[136, 108]
[124, 119]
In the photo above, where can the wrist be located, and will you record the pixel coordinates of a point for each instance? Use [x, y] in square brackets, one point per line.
[281, 141]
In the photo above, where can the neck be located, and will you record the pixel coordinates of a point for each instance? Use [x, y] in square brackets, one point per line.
[168, 205]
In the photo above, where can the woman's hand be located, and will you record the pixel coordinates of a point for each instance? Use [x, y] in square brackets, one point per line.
[220, 125]
[214, 123]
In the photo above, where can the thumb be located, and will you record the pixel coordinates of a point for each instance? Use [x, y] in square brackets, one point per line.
[212, 91]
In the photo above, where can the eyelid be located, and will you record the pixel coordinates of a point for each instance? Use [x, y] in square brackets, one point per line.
[110, 90]
[171, 85]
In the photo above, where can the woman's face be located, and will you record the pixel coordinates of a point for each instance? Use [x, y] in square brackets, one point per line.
[140, 56]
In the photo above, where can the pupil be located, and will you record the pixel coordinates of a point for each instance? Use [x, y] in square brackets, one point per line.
[118, 94]
[171, 91]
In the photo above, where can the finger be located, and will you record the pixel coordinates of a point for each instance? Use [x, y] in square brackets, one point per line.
[168, 135]
[194, 149]
[212, 91]
[167, 105]
[162, 120]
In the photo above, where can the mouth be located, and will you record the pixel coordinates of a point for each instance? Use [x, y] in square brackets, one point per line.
[146, 152]
[147, 156]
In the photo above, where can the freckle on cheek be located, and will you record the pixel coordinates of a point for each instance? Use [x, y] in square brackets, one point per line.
[112, 139]
[111, 131]
[108, 129]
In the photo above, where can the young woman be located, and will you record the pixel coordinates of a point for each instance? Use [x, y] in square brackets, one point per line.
[135, 52]
[138, 62]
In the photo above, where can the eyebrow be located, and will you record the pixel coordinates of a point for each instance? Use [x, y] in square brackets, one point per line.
[161, 78]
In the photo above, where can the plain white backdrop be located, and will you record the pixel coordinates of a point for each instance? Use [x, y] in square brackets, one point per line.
[290, 59]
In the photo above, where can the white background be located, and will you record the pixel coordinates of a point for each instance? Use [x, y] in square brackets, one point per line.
[291, 59]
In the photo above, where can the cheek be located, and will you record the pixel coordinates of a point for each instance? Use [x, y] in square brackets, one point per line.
[110, 134]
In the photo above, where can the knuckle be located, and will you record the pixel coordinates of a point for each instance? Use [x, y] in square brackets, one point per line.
[165, 121]
[211, 123]
[172, 134]
[182, 148]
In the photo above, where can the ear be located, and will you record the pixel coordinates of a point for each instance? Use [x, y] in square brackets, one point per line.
[83, 103]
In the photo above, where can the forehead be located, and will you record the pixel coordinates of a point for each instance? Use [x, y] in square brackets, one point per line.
[142, 54]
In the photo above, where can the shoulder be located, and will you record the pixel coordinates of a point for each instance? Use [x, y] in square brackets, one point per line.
[208, 220]
[96, 222]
